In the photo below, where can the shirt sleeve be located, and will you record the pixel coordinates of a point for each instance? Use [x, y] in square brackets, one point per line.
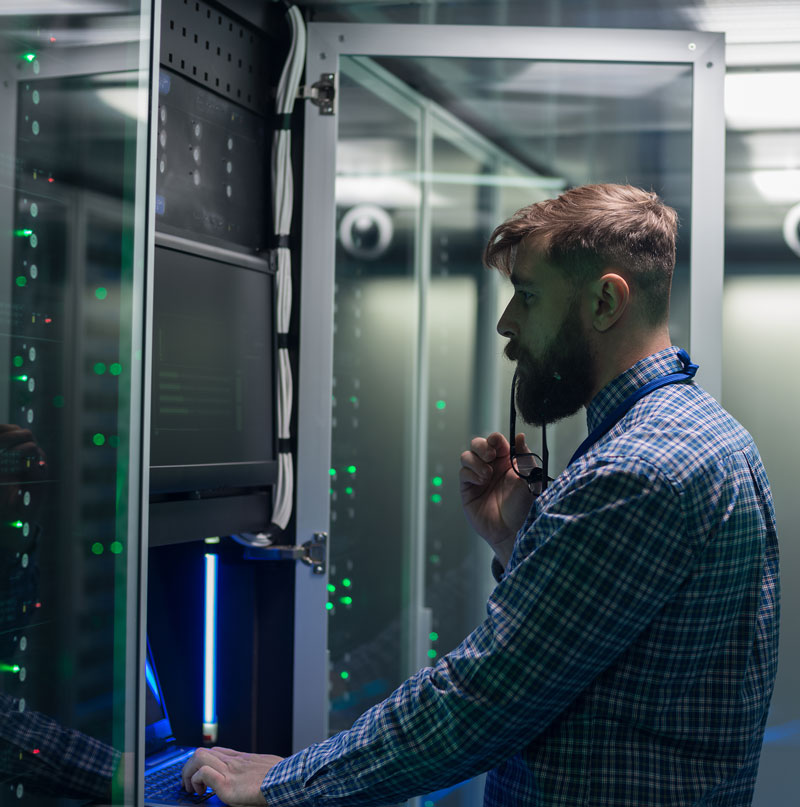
[605, 551]
[45, 757]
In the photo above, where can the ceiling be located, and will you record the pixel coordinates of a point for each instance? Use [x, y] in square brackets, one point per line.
[763, 83]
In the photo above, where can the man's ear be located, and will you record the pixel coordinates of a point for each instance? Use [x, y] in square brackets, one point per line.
[610, 296]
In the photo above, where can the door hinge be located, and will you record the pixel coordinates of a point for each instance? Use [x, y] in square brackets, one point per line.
[313, 553]
[321, 93]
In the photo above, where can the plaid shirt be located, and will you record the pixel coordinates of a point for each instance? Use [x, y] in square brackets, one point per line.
[45, 757]
[629, 651]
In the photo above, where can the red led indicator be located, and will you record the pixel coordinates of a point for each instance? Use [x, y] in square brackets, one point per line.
[35, 750]
[52, 39]
[48, 320]
[38, 605]
[50, 179]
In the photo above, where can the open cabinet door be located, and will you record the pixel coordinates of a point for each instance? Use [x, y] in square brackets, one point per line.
[435, 135]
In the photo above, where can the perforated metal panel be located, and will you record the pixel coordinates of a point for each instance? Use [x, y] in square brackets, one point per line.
[216, 49]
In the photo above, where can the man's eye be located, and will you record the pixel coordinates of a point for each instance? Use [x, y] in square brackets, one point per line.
[526, 295]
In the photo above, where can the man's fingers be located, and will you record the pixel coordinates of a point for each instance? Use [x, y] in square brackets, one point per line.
[202, 757]
[207, 777]
[520, 446]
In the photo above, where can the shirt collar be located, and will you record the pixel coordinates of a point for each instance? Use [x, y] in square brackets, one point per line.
[615, 392]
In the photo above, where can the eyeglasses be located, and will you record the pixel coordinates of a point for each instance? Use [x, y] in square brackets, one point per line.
[528, 466]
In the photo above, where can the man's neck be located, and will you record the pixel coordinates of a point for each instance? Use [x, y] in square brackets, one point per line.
[613, 360]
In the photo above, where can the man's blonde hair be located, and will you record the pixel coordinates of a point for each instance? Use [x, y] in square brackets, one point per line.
[596, 227]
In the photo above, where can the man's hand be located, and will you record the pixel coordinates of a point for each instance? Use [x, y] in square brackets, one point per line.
[233, 775]
[494, 498]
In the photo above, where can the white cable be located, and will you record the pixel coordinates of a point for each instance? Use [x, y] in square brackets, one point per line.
[283, 203]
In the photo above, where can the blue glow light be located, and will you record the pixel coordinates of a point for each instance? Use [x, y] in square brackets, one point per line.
[210, 645]
[151, 681]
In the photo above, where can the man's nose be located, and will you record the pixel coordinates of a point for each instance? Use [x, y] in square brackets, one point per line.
[506, 325]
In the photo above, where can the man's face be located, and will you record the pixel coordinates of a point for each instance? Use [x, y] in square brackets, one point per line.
[548, 340]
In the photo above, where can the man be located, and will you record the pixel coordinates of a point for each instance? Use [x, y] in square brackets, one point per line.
[629, 650]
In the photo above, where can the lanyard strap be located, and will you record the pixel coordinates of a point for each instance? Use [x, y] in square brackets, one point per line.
[613, 417]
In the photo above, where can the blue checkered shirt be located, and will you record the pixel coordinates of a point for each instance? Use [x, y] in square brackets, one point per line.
[629, 650]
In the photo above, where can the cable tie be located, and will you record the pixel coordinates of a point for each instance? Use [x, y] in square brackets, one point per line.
[283, 341]
[283, 123]
[285, 445]
[281, 241]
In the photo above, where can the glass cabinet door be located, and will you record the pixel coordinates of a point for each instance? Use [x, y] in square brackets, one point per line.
[72, 209]
[434, 142]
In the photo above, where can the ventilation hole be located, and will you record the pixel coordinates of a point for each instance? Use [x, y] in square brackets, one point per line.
[230, 57]
[205, 77]
[217, 82]
[240, 62]
[228, 88]
[195, 39]
[208, 14]
[241, 34]
[250, 68]
[248, 98]
[170, 58]
[238, 93]
[207, 44]
[218, 51]
[184, 32]
[219, 20]
[194, 70]
[251, 39]
[230, 26]
[197, 6]
[183, 64]
[172, 25]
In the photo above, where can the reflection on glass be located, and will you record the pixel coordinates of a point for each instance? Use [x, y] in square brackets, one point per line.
[374, 359]
[68, 185]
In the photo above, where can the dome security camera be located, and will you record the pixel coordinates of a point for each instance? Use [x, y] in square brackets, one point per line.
[366, 231]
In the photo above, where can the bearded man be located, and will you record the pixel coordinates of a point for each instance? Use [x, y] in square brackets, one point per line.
[630, 646]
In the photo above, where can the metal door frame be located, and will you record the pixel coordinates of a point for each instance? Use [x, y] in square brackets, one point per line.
[326, 43]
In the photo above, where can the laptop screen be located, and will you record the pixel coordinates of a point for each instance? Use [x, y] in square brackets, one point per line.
[157, 733]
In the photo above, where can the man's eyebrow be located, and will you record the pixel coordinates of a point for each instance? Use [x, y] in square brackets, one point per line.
[516, 280]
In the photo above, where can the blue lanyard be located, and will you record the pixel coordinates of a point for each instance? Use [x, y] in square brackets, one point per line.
[615, 416]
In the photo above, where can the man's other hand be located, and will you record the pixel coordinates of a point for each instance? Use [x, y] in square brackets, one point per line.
[494, 498]
[233, 775]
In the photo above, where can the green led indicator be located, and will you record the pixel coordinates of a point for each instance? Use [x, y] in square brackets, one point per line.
[12, 668]
[97, 548]
[348, 491]
[331, 587]
[99, 368]
[25, 233]
[345, 675]
[17, 524]
[433, 636]
[20, 378]
[440, 405]
[22, 281]
[329, 606]
[435, 558]
[437, 481]
[18, 361]
[330, 490]
[346, 600]
[436, 498]
[99, 439]
[116, 548]
[333, 472]
[29, 57]
[346, 582]
[101, 293]
[432, 654]
[351, 469]
[115, 368]
[58, 401]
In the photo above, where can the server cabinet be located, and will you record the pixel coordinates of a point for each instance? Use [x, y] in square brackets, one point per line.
[73, 220]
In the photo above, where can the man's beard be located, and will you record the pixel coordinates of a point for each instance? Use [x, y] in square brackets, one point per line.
[560, 382]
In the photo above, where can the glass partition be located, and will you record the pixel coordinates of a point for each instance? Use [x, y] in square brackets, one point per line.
[72, 211]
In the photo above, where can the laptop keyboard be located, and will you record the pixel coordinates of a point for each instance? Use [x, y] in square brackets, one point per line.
[165, 785]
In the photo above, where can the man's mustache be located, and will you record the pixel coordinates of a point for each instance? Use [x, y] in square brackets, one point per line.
[512, 351]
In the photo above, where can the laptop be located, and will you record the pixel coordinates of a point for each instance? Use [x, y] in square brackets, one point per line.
[164, 758]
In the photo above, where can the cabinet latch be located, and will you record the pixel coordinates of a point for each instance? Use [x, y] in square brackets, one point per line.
[321, 93]
[313, 553]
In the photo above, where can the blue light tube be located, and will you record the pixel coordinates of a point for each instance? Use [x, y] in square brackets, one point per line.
[210, 644]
